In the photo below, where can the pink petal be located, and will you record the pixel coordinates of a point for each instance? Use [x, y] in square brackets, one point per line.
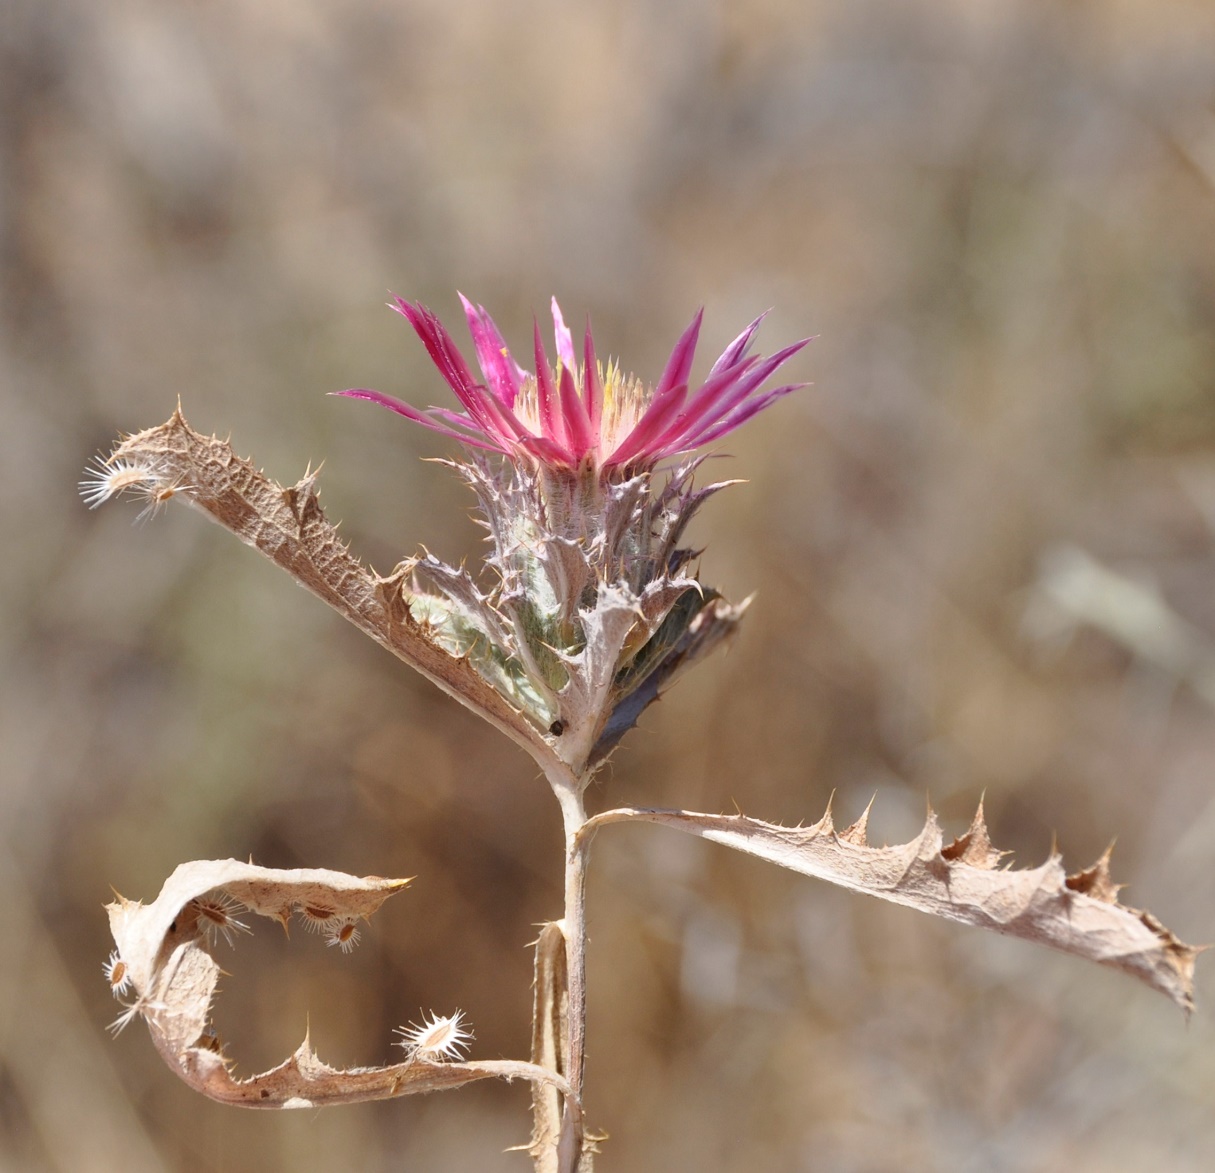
[565, 340]
[701, 409]
[658, 415]
[738, 348]
[500, 369]
[443, 351]
[552, 426]
[577, 422]
[592, 388]
[545, 450]
[493, 418]
[713, 405]
[739, 417]
[419, 417]
[679, 365]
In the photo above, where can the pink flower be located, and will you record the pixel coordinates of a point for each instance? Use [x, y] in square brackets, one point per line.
[585, 415]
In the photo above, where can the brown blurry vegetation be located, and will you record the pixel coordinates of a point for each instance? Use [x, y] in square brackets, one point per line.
[999, 218]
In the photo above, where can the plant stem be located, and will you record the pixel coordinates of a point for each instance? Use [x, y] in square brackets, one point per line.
[573, 926]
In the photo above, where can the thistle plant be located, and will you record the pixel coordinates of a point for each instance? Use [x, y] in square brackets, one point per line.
[587, 607]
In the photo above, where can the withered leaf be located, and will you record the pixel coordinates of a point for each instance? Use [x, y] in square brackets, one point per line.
[961, 881]
[164, 949]
[550, 1043]
[290, 528]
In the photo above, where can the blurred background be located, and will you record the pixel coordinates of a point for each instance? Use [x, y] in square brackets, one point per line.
[983, 546]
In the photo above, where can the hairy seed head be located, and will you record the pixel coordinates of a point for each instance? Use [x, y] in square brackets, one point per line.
[437, 1037]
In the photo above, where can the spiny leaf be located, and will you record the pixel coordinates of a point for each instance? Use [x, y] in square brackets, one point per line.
[714, 622]
[163, 947]
[591, 672]
[961, 881]
[290, 528]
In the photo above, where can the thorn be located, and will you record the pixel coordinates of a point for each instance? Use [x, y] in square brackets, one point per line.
[974, 846]
[1096, 881]
[826, 825]
[858, 832]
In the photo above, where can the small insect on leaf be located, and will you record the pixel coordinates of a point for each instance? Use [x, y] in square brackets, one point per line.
[343, 934]
[157, 496]
[216, 917]
[317, 918]
[437, 1038]
[104, 479]
[117, 974]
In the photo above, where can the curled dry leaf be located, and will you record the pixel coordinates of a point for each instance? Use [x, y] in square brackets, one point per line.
[165, 949]
[290, 528]
[961, 881]
[550, 1043]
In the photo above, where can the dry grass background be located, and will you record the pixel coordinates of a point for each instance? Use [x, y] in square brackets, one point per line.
[999, 218]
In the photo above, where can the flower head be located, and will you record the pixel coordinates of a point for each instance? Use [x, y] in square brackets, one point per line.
[582, 413]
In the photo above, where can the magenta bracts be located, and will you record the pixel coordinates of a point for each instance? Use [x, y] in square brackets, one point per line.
[585, 415]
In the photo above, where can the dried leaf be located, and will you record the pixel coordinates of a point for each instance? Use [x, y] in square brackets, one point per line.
[550, 1043]
[289, 527]
[164, 949]
[962, 882]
